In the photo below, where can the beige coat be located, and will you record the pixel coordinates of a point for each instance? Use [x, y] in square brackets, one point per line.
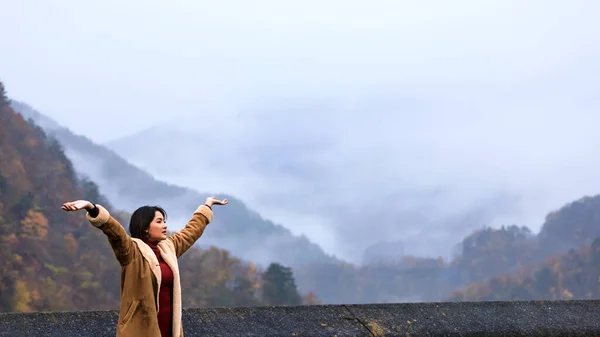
[140, 272]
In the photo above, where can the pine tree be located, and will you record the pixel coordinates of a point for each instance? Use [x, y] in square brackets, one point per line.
[279, 287]
[3, 98]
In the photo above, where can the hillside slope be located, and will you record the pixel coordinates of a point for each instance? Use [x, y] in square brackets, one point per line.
[561, 262]
[507, 263]
[50, 260]
[239, 230]
[569, 275]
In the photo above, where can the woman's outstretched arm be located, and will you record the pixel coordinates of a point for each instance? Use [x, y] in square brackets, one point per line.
[193, 230]
[98, 216]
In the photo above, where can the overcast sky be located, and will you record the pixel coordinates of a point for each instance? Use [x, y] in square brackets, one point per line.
[478, 98]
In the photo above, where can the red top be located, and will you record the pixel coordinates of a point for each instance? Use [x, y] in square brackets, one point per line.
[165, 294]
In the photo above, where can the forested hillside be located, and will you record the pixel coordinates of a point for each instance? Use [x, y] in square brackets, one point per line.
[571, 275]
[509, 263]
[563, 262]
[52, 260]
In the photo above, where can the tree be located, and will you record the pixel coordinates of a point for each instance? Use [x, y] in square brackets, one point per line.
[4, 100]
[21, 297]
[311, 299]
[34, 226]
[279, 287]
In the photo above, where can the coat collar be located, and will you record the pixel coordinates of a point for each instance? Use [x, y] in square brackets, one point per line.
[167, 252]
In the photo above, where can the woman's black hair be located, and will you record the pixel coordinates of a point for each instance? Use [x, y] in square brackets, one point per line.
[141, 219]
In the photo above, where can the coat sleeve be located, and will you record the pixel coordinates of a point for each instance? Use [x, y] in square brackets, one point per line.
[121, 243]
[185, 238]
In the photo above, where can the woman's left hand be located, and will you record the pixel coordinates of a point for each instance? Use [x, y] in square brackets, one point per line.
[212, 201]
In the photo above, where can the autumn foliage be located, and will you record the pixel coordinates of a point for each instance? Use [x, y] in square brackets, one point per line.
[49, 260]
[509, 263]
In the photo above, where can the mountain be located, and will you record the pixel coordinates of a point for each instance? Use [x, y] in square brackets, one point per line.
[569, 275]
[239, 230]
[52, 260]
[293, 161]
[491, 263]
[506, 262]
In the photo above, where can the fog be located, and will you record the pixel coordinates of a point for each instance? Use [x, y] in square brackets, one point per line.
[352, 122]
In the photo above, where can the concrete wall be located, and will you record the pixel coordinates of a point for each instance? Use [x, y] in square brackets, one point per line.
[540, 318]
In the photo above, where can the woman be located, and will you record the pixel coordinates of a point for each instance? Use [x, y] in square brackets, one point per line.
[150, 285]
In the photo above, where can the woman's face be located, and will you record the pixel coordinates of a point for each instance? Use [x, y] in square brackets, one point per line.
[157, 231]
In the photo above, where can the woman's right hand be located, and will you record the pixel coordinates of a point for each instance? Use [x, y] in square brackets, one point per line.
[77, 205]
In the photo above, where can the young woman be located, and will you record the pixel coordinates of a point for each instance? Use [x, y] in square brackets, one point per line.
[150, 284]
